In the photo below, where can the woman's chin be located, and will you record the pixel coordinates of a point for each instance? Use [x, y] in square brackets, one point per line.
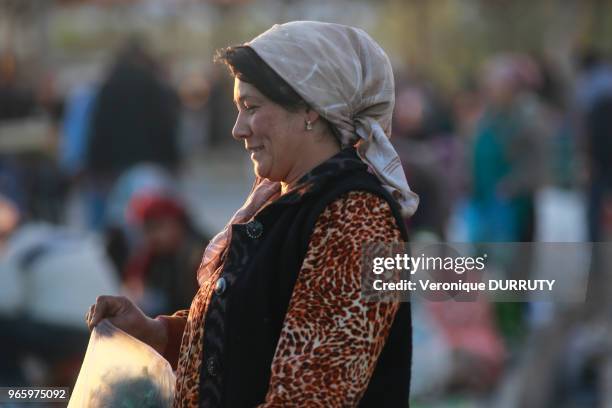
[263, 172]
[259, 170]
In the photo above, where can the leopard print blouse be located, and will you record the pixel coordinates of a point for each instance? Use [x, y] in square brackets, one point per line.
[331, 338]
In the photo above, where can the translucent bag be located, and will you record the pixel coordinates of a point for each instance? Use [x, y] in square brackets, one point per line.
[120, 371]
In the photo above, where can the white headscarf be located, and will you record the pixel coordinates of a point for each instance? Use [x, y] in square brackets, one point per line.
[343, 74]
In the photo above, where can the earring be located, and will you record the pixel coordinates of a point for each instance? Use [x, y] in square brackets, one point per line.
[308, 125]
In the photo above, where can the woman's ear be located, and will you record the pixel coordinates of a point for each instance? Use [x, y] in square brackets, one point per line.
[311, 115]
[325, 131]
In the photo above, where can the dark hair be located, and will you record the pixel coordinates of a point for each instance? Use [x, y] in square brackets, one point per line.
[246, 65]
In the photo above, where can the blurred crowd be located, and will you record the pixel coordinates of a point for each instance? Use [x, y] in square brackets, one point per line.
[517, 154]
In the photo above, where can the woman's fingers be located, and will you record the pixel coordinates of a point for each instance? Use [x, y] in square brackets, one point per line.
[105, 306]
[88, 316]
[124, 314]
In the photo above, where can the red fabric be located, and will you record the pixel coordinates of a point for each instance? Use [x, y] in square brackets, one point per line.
[153, 207]
[470, 326]
[137, 266]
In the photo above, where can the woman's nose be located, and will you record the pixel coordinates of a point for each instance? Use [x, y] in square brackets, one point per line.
[241, 128]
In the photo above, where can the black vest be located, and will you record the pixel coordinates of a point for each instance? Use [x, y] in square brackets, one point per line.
[260, 266]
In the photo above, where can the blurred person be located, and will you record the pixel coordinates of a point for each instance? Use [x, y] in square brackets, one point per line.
[477, 350]
[507, 160]
[279, 319]
[51, 103]
[431, 157]
[555, 98]
[467, 105]
[72, 150]
[469, 352]
[44, 187]
[564, 359]
[508, 152]
[34, 183]
[194, 92]
[594, 79]
[41, 179]
[76, 129]
[121, 233]
[135, 116]
[220, 112]
[46, 274]
[159, 275]
[599, 132]
[594, 103]
[16, 100]
[28, 172]
[134, 120]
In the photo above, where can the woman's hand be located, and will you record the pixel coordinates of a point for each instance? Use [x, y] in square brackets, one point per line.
[124, 314]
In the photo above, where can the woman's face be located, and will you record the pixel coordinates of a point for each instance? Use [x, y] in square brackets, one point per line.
[272, 135]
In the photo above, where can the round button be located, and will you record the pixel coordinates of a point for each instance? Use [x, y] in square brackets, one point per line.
[220, 286]
[254, 229]
[211, 366]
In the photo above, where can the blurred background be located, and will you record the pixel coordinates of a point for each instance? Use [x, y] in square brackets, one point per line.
[117, 165]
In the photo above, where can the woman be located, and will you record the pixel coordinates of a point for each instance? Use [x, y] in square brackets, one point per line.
[279, 319]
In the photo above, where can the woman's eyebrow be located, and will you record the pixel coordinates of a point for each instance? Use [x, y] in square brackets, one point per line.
[241, 100]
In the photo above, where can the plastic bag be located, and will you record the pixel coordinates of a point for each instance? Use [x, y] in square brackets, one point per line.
[121, 371]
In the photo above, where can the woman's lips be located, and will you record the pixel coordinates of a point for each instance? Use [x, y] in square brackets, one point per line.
[254, 150]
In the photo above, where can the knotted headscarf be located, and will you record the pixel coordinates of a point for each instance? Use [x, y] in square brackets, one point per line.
[347, 78]
[344, 75]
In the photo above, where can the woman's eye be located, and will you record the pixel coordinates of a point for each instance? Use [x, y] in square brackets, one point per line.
[250, 107]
